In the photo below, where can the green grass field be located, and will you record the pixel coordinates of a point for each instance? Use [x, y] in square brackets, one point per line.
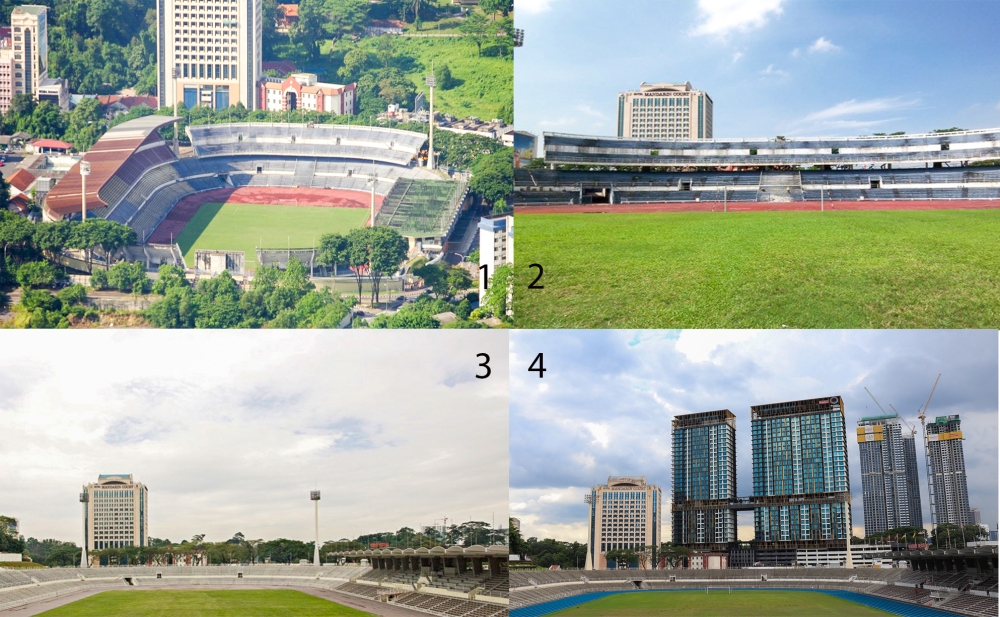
[914, 269]
[715, 603]
[235, 603]
[243, 227]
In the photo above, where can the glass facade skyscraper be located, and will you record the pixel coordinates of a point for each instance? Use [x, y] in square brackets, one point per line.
[704, 479]
[801, 484]
[890, 486]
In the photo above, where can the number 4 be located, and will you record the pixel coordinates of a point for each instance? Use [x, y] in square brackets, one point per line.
[541, 366]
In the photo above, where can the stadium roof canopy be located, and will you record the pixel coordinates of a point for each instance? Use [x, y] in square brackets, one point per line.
[105, 158]
[422, 208]
[953, 147]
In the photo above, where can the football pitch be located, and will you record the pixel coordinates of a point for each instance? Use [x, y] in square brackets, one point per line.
[244, 227]
[720, 602]
[242, 603]
[846, 269]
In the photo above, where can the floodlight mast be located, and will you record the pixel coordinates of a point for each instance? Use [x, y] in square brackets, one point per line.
[84, 499]
[84, 172]
[176, 74]
[431, 81]
[314, 496]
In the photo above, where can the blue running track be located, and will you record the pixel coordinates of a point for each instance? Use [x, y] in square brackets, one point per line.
[890, 606]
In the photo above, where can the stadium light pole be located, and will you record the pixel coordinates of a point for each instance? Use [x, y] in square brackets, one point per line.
[84, 499]
[314, 496]
[176, 73]
[431, 82]
[84, 172]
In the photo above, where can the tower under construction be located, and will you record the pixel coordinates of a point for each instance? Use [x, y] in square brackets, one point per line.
[890, 486]
[949, 493]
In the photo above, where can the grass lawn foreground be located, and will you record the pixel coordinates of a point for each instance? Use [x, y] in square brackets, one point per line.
[857, 269]
[243, 227]
[215, 603]
[720, 602]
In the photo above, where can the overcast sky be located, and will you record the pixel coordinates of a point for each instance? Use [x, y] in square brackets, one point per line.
[772, 67]
[230, 430]
[605, 404]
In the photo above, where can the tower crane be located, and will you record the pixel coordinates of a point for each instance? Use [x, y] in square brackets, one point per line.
[927, 455]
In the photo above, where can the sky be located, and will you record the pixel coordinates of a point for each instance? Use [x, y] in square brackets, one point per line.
[230, 430]
[772, 67]
[606, 401]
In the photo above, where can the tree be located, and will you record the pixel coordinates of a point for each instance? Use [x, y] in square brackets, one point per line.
[36, 274]
[15, 231]
[333, 250]
[110, 236]
[356, 62]
[458, 280]
[385, 49]
[623, 557]
[496, 298]
[492, 7]
[493, 177]
[52, 238]
[345, 16]
[387, 249]
[309, 30]
[514, 539]
[673, 555]
[357, 254]
[476, 29]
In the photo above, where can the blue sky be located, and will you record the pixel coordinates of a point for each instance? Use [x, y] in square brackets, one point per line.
[231, 430]
[772, 67]
[605, 404]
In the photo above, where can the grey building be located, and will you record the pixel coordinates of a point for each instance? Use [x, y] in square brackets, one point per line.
[890, 486]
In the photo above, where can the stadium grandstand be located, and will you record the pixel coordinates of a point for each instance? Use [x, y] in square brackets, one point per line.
[435, 591]
[137, 180]
[901, 591]
[903, 169]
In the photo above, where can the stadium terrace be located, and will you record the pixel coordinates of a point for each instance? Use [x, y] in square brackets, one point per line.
[932, 149]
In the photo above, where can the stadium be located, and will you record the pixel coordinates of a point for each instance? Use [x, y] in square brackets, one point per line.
[455, 581]
[766, 174]
[269, 188]
[865, 232]
[953, 582]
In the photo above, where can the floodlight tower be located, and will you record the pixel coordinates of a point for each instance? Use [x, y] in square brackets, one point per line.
[177, 124]
[84, 172]
[84, 499]
[314, 496]
[431, 82]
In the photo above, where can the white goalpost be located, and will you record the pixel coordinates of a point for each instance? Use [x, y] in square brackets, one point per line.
[709, 589]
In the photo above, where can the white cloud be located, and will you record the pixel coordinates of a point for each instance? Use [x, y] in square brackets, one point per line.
[721, 17]
[210, 432]
[599, 432]
[532, 7]
[823, 45]
[857, 108]
[770, 71]
[737, 56]
[796, 52]
[698, 345]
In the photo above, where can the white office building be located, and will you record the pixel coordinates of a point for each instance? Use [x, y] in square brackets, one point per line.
[215, 46]
[117, 513]
[665, 112]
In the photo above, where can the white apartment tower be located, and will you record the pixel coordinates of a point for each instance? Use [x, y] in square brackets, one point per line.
[666, 112]
[496, 245]
[117, 512]
[29, 49]
[624, 514]
[215, 47]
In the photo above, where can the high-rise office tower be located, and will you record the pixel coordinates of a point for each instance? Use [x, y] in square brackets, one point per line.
[117, 512]
[30, 48]
[704, 479]
[668, 112]
[949, 493]
[889, 483]
[215, 47]
[802, 492]
[624, 514]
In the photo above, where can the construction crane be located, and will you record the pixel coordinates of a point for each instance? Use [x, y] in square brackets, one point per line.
[927, 455]
[913, 430]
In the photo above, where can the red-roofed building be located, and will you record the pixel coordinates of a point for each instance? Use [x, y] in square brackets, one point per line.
[20, 181]
[19, 203]
[288, 16]
[50, 146]
[282, 67]
[303, 91]
[115, 104]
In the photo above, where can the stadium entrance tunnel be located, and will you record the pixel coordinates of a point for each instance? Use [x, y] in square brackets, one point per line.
[597, 195]
[890, 606]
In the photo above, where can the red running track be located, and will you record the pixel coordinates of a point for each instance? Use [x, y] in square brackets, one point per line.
[742, 206]
[185, 209]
